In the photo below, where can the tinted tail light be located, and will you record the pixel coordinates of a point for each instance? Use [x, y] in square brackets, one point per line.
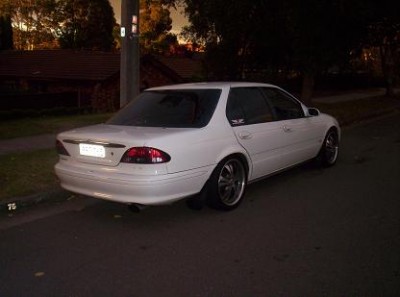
[145, 155]
[61, 150]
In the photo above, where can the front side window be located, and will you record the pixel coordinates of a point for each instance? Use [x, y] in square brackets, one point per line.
[284, 106]
[169, 109]
[247, 106]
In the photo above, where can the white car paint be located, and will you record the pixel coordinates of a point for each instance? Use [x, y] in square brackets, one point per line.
[195, 152]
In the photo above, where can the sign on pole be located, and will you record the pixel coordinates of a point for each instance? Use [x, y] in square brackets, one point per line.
[130, 56]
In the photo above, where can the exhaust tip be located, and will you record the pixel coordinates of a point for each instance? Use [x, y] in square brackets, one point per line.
[136, 208]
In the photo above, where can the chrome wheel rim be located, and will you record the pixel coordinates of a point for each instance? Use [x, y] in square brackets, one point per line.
[331, 147]
[231, 182]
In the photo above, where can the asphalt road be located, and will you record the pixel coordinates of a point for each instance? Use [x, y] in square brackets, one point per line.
[306, 232]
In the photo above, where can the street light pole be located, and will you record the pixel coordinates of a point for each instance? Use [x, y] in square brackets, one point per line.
[130, 63]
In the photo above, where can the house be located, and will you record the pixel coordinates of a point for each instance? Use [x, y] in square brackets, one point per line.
[90, 78]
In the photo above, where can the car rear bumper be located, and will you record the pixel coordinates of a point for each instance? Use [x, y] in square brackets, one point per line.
[125, 188]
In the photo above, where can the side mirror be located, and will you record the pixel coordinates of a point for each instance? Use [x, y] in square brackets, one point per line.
[313, 112]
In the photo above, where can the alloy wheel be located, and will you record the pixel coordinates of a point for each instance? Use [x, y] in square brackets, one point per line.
[231, 182]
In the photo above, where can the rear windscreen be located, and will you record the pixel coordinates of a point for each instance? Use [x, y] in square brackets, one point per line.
[169, 109]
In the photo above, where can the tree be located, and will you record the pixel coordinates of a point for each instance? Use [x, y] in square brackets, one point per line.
[34, 22]
[6, 34]
[322, 33]
[155, 22]
[270, 36]
[87, 24]
[81, 24]
[384, 33]
[226, 36]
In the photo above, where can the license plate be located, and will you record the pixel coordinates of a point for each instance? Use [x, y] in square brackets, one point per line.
[92, 150]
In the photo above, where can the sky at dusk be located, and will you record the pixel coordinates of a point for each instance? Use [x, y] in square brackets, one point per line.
[178, 19]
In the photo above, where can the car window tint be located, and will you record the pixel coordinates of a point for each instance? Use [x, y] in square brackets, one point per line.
[247, 106]
[284, 106]
[169, 108]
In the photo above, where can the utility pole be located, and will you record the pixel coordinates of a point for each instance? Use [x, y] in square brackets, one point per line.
[130, 59]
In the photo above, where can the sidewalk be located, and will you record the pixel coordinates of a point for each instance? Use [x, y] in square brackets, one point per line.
[362, 94]
[25, 144]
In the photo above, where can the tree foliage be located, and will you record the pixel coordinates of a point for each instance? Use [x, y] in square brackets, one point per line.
[322, 34]
[81, 24]
[268, 36]
[384, 34]
[226, 35]
[86, 24]
[6, 34]
[33, 22]
[155, 23]
[71, 23]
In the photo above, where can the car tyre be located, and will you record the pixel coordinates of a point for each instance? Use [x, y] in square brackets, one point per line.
[227, 184]
[329, 152]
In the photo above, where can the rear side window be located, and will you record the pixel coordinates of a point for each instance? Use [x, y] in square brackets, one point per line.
[284, 106]
[247, 106]
[169, 109]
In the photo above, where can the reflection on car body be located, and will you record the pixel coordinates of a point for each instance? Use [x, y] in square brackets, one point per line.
[202, 141]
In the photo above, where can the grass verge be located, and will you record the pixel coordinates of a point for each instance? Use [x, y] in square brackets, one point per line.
[33, 172]
[27, 173]
[44, 125]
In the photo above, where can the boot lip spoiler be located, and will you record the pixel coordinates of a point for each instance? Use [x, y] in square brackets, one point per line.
[88, 141]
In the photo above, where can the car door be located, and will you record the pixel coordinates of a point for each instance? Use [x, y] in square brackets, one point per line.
[302, 134]
[253, 124]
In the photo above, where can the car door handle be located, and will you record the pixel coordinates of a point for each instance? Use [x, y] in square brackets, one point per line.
[287, 129]
[245, 135]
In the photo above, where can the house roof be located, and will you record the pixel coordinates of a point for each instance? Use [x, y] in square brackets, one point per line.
[85, 65]
[185, 67]
[59, 64]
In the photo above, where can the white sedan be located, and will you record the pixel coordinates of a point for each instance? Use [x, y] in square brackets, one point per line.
[202, 141]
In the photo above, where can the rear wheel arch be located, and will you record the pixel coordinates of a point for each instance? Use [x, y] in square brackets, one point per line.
[242, 157]
[208, 193]
[334, 128]
[244, 161]
[226, 186]
[238, 152]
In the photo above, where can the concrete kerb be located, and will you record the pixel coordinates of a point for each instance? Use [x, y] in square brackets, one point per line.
[26, 144]
[353, 96]
[56, 195]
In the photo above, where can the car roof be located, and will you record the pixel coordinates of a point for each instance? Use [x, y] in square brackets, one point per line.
[212, 85]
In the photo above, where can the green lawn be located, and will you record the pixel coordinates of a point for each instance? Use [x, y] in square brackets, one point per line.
[33, 172]
[48, 124]
[27, 173]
